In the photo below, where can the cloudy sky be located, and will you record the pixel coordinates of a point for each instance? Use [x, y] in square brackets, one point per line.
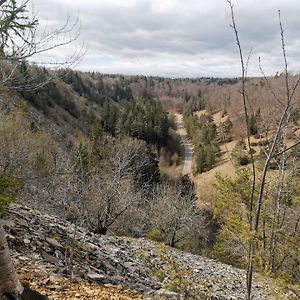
[177, 38]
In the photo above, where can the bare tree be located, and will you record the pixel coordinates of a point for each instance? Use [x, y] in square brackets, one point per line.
[114, 186]
[8, 280]
[277, 149]
[20, 40]
[174, 213]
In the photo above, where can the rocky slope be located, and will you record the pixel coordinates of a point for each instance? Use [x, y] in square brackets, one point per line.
[47, 250]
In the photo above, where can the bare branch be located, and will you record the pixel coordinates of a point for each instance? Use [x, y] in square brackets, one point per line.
[2, 1]
[21, 40]
[244, 98]
[287, 149]
[268, 83]
[284, 57]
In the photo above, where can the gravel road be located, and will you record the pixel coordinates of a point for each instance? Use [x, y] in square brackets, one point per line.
[188, 148]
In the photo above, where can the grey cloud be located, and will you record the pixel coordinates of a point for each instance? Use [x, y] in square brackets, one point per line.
[178, 38]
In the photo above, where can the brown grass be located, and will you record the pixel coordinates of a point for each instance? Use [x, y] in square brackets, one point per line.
[67, 289]
[204, 182]
[172, 171]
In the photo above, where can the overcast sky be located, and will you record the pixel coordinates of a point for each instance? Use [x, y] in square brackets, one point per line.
[178, 38]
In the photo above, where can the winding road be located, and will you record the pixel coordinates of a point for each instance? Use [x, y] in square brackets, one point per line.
[188, 148]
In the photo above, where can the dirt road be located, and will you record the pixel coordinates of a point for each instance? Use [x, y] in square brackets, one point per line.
[188, 148]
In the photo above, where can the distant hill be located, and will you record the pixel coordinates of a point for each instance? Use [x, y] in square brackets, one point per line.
[77, 99]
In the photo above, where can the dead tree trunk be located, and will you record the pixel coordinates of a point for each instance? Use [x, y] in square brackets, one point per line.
[9, 282]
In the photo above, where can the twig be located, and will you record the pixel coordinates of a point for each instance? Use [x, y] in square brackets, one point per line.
[268, 83]
[287, 149]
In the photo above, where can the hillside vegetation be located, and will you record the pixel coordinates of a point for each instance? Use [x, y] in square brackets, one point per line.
[88, 146]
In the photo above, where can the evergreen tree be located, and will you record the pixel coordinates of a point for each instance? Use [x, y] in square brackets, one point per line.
[146, 120]
[252, 124]
[109, 118]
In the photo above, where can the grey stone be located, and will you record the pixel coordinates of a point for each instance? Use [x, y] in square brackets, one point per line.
[24, 258]
[8, 223]
[50, 259]
[40, 273]
[55, 278]
[23, 222]
[166, 294]
[117, 260]
[54, 243]
[96, 277]
[55, 287]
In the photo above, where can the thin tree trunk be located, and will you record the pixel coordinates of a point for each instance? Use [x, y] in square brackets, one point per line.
[244, 69]
[9, 282]
[2, 2]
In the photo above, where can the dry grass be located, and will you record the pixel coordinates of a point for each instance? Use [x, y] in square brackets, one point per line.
[218, 118]
[204, 182]
[200, 112]
[67, 289]
[83, 291]
[172, 171]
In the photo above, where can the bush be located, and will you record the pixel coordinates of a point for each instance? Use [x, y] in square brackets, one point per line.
[155, 235]
[273, 165]
[175, 277]
[240, 153]
[252, 151]
[8, 191]
[264, 143]
[243, 160]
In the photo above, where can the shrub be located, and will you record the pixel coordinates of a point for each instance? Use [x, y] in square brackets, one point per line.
[240, 153]
[8, 191]
[243, 160]
[155, 235]
[175, 277]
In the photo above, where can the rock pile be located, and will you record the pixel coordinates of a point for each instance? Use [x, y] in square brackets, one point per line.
[50, 251]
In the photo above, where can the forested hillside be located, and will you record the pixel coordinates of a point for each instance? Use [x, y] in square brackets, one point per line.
[87, 147]
[92, 151]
